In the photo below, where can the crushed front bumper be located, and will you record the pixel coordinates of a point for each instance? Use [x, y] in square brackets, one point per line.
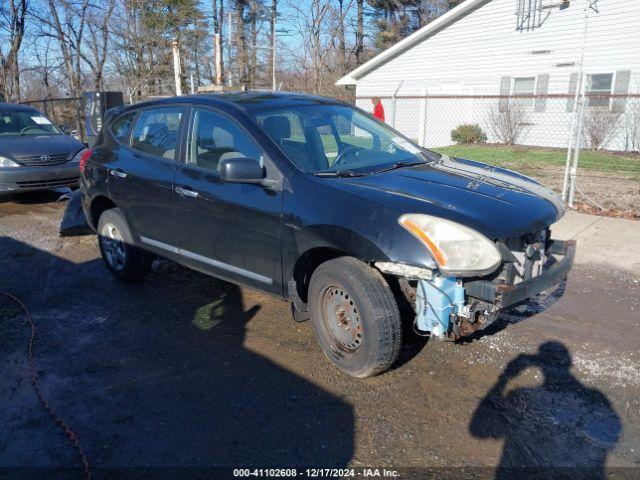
[450, 308]
[504, 296]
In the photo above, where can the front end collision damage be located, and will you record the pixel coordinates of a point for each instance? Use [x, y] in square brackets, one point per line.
[449, 307]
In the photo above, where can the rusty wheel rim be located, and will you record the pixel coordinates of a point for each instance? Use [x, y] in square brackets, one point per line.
[341, 319]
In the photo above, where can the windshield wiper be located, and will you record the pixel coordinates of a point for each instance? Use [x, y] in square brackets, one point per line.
[339, 174]
[399, 165]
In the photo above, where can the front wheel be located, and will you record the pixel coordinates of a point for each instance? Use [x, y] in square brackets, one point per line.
[354, 316]
[125, 261]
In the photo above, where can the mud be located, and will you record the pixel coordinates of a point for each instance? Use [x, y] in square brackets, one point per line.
[185, 370]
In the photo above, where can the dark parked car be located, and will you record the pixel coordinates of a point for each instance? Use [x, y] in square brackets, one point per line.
[317, 202]
[34, 153]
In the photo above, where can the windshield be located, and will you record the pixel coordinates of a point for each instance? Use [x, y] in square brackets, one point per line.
[338, 138]
[26, 123]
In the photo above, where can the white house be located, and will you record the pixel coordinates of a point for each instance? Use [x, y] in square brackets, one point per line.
[455, 69]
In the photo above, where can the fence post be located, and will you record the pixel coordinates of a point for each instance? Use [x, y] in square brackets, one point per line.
[576, 149]
[576, 120]
[394, 100]
[423, 119]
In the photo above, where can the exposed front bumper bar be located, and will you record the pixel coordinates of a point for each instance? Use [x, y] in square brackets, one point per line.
[503, 296]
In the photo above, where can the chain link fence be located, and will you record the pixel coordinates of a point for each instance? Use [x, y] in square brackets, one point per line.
[595, 126]
[609, 122]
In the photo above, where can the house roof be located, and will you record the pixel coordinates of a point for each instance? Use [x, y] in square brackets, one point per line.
[425, 32]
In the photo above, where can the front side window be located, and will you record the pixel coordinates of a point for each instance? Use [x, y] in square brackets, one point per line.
[26, 123]
[330, 138]
[599, 89]
[156, 132]
[524, 86]
[214, 138]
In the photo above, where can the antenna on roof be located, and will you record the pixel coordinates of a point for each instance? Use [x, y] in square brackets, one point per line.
[531, 14]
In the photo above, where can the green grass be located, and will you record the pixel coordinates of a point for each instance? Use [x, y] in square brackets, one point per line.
[525, 158]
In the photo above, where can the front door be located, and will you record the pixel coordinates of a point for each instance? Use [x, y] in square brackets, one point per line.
[141, 179]
[230, 230]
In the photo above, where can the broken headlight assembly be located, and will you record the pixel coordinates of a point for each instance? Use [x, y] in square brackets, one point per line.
[458, 250]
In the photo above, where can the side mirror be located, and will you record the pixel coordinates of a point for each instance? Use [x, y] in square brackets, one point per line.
[241, 170]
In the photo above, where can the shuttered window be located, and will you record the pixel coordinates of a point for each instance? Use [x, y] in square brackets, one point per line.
[542, 89]
[621, 87]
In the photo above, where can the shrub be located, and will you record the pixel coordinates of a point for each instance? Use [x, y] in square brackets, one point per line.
[467, 133]
[508, 121]
[600, 125]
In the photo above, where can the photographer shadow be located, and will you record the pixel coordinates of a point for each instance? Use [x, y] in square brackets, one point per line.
[559, 429]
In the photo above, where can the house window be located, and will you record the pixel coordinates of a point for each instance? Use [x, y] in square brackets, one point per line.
[599, 84]
[524, 86]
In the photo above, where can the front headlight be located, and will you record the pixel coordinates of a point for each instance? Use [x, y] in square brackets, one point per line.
[456, 248]
[7, 162]
[76, 157]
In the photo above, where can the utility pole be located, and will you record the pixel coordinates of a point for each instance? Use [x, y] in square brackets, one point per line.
[177, 72]
[218, 52]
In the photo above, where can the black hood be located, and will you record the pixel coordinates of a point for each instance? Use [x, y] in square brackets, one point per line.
[494, 201]
[31, 145]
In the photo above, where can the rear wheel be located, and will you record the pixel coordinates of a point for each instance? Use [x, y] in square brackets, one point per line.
[354, 316]
[125, 261]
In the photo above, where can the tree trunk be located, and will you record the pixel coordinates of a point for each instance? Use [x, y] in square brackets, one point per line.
[241, 42]
[360, 32]
[272, 35]
[342, 48]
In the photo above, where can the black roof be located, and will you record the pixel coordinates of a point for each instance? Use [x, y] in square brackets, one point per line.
[16, 107]
[254, 100]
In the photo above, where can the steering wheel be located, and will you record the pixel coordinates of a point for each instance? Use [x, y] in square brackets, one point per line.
[27, 128]
[341, 156]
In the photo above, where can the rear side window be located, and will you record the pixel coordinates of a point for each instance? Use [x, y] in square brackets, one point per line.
[156, 132]
[120, 127]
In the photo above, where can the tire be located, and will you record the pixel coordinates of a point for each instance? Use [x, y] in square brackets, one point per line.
[355, 317]
[124, 260]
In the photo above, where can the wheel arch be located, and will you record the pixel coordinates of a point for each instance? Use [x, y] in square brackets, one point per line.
[98, 206]
[322, 243]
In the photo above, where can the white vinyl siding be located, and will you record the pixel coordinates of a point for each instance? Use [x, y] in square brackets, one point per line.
[482, 53]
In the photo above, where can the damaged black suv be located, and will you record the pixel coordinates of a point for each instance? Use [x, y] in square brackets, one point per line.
[315, 201]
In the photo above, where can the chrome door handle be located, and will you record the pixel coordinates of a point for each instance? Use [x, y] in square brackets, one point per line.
[185, 192]
[118, 173]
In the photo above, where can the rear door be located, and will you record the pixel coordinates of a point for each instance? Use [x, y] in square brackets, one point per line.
[141, 178]
[230, 230]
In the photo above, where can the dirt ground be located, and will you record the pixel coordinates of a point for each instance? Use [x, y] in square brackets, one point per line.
[183, 370]
[618, 192]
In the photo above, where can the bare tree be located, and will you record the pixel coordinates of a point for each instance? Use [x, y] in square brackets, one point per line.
[98, 25]
[633, 125]
[359, 49]
[317, 26]
[12, 21]
[599, 125]
[67, 24]
[508, 121]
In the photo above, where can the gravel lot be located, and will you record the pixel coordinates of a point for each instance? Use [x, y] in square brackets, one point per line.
[183, 370]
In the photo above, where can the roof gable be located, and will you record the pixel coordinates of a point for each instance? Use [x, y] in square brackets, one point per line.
[418, 36]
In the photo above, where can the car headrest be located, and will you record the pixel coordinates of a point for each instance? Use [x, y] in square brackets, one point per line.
[277, 126]
[155, 132]
[222, 138]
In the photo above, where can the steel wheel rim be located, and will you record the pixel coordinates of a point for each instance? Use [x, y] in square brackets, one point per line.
[341, 318]
[113, 247]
